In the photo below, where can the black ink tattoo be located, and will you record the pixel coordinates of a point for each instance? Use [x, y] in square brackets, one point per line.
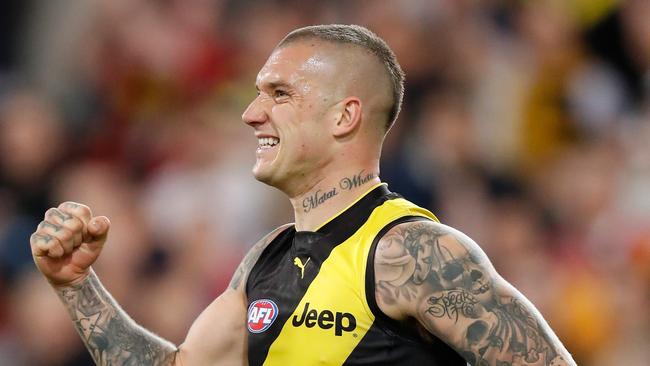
[346, 184]
[356, 180]
[452, 283]
[245, 266]
[44, 237]
[452, 304]
[112, 338]
[318, 198]
[60, 215]
[241, 273]
[56, 228]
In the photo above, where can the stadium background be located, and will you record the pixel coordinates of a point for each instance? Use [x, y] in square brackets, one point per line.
[526, 124]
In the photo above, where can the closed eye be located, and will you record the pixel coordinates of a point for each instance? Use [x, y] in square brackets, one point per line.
[279, 93]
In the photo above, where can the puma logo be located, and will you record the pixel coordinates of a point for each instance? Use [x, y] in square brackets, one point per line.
[301, 265]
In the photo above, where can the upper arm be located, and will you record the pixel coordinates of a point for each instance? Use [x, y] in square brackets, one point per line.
[238, 282]
[218, 335]
[440, 277]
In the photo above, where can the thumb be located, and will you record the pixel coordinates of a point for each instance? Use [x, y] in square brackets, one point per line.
[98, 228]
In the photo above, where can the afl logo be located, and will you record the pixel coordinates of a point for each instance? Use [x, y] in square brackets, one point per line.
[261, 314]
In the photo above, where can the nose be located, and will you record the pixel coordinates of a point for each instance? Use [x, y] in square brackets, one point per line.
[255, 113]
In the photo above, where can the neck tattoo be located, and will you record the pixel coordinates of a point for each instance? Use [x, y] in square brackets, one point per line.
[346, 184]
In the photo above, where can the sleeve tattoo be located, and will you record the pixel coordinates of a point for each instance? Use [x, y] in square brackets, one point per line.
[111, 336]
[240, 277]
[456, 295]
[241, 274]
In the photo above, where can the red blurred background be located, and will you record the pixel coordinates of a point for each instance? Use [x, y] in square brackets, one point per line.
[526, 124]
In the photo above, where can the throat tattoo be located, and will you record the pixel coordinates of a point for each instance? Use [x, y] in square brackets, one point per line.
[345, 184]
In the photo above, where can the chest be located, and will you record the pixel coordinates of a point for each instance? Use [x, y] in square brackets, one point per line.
[306, 305]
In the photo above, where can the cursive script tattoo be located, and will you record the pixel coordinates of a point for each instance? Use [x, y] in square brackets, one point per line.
[356, 180]
[459, 297]
[345, 184]
[452, 304]
[112, 338]
[318, 198]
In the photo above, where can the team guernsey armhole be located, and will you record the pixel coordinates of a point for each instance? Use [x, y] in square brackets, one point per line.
[384, 321]
[277, 233]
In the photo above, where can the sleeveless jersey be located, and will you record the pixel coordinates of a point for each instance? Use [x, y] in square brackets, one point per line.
[311, 295]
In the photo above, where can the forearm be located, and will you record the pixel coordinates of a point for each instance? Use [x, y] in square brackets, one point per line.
[511, 332]
[111, 336]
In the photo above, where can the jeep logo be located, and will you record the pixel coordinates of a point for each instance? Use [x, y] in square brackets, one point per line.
[342, 322]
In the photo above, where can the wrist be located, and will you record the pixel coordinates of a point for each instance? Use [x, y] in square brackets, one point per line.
[79, 281]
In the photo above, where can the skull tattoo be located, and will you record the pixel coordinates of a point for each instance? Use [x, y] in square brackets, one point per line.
[438, 266]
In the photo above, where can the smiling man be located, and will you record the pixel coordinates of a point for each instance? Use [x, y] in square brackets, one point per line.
[363, 276]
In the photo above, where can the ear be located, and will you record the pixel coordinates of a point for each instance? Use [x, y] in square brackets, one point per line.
[349, 118]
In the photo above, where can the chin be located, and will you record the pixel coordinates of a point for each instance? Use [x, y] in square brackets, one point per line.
[271, 178]
[263, 175]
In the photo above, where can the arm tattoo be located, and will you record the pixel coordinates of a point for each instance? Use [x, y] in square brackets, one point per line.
[112, 338]
[452, 285]
[241, 273]
[246, 265]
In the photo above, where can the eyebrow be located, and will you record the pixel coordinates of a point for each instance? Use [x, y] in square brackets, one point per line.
[273, 85]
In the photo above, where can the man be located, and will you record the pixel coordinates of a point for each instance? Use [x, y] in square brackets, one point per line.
[363, 277]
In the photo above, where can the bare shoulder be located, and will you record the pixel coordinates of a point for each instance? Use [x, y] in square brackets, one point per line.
[430, 254]
[440, 277]
[241, 274]
[218, 335]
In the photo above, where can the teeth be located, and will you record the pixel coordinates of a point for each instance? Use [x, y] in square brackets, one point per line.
[268, 141]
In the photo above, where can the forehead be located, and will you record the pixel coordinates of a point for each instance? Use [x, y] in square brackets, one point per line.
[294, 63]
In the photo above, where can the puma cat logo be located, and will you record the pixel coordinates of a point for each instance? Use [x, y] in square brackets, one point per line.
[301, 265]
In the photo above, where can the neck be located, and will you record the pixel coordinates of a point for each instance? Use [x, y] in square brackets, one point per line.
[330, 195]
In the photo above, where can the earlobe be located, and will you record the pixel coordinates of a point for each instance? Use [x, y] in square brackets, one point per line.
[349, 118]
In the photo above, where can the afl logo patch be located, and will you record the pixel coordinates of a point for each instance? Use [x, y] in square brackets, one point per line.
[261, 314]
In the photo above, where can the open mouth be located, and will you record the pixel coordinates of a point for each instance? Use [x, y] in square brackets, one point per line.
[267, 143]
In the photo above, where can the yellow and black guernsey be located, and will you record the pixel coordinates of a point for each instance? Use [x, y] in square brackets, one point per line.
[311, 295]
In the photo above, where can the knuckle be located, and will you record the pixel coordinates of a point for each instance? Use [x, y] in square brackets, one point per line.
[64, 235]
[56, 215]
[83, 208]
[74, 225]
[51, 211]
[78, 208]
[48, 227]
[68, 204]
[39, 237]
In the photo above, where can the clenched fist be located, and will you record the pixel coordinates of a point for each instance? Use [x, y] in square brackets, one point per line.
[67, 242]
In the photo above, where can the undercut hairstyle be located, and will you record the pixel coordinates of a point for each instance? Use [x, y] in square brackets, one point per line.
[361, 37]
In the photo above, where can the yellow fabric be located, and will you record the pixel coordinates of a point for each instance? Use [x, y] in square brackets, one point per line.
[340, 288]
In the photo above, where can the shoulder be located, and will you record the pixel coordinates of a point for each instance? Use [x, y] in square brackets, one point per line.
[241, 274]
[426, 238]
[421, 256]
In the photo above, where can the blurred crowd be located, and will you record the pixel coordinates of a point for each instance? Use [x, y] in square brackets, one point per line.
[526, 125]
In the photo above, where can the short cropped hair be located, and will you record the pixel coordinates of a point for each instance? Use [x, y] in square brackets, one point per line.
[362, 37]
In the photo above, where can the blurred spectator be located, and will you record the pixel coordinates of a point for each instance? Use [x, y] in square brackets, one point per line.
[525, 124]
